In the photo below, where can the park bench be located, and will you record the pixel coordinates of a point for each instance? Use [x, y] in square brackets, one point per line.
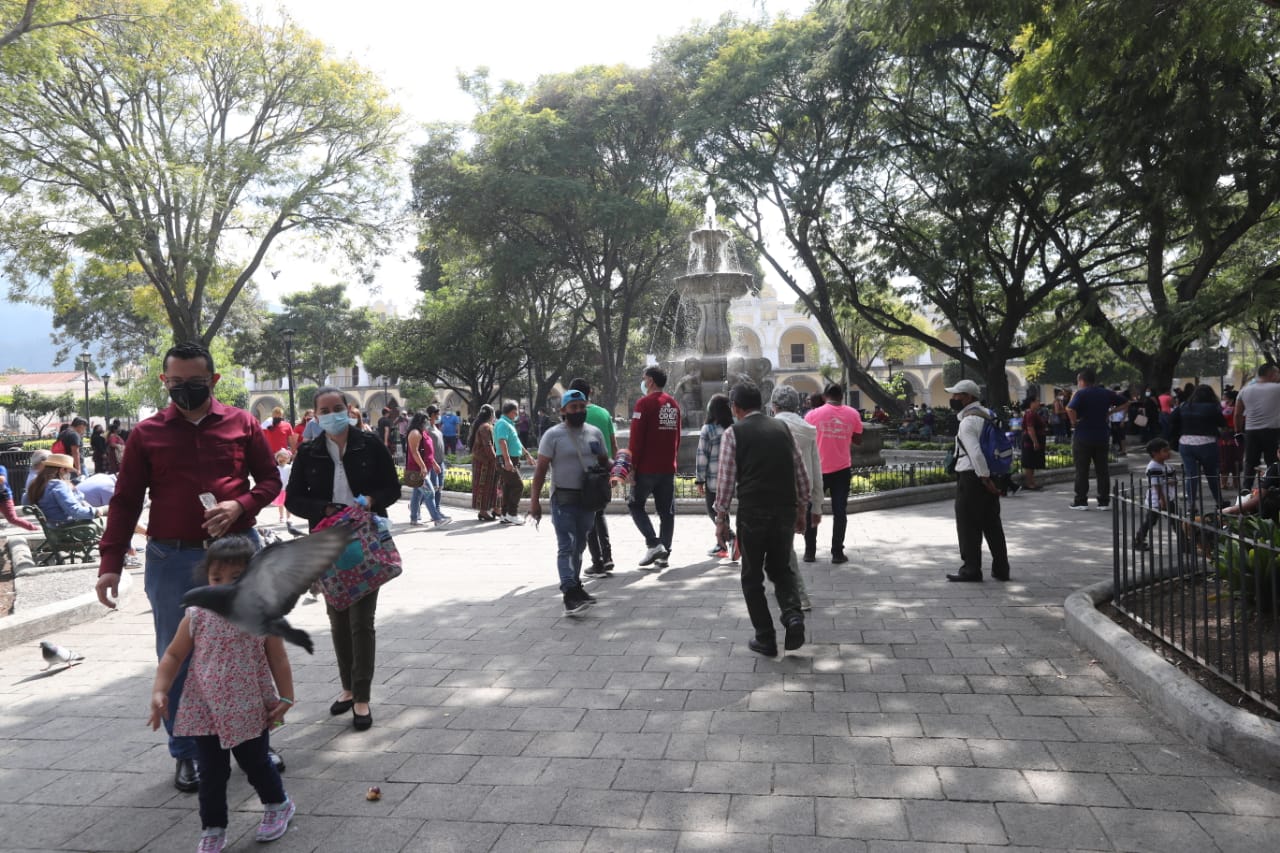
[73, 542]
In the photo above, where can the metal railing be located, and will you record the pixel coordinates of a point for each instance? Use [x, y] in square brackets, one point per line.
[1207, 585]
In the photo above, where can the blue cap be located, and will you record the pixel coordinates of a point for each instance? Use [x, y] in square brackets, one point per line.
[572, 396]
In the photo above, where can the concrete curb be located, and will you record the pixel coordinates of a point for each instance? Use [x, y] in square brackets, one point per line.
[1251, 742]
[43, 621]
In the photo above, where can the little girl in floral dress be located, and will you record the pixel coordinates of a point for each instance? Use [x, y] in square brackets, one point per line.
[237, 687]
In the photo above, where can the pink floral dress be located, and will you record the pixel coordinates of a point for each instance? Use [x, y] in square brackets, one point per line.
[229, 690]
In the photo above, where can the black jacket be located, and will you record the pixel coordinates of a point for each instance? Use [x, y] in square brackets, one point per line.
[370, 472]
[1196, 419]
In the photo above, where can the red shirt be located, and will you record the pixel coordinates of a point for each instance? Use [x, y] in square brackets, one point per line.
[177, 460]
[278, 436]
[655, 434]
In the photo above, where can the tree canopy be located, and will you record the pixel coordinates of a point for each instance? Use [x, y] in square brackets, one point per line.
[184, 140]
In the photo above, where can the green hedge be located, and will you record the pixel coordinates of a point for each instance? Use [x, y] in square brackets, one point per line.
[39, 444]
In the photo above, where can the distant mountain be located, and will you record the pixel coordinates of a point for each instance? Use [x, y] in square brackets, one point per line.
[24, 338]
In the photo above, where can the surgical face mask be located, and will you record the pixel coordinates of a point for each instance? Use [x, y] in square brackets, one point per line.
[956, 405]
[575, 419]
[643, 389]
[353, 421]
[189, 396]
[334, 423]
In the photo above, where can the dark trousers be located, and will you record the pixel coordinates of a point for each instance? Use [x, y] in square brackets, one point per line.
[1083, 454]
[765, 535]
[215, 769]
[1149, 523]
[512, 490]
[354, 640]
[598, 542]
[978, 518]
[1259, 447]
[663, 489]
[837, 485]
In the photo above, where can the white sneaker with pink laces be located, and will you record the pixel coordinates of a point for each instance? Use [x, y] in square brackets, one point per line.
[275, 820]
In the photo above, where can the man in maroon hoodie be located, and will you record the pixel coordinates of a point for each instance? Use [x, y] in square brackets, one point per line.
[654, 442]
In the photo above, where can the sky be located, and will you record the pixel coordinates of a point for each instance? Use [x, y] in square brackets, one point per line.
[418, 50]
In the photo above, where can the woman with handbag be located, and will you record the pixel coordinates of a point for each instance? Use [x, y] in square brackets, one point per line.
[484, 465]
[420, 462]
[329, 473]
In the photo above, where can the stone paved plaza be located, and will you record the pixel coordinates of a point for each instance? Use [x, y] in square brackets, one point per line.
[922, 716]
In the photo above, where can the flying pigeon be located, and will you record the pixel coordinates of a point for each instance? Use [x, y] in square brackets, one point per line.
[271, 585]
[54, 653]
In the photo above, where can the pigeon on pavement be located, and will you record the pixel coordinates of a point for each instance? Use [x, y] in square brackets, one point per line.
[54, 653]
[271, 585]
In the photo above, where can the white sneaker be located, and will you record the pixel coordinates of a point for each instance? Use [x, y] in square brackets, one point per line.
[511, 519]
[652, 554]
[442, 522]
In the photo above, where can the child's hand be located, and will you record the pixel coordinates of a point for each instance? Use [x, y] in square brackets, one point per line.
[159, 709]
[278, 712]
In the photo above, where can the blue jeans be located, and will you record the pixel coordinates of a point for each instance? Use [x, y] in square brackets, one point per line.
[437, 486]
[424, 495]
[1197, 458]
[572, 524]
[170, 572]
[663, 489]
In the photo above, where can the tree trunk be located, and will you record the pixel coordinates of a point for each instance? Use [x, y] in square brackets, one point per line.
[997, 382]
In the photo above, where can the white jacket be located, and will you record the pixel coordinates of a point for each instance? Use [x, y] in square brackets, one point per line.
[805, 436]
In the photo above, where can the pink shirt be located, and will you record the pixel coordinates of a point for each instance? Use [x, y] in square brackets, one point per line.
[836, 425]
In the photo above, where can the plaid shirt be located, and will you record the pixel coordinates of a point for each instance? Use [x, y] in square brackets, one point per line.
[727, 481]
[707, 460]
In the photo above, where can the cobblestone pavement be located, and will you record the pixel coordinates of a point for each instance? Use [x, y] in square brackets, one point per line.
[921, 716]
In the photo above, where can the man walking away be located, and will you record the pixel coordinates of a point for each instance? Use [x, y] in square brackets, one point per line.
[839, 429]
[598, 539]
[977, 497]
[1257, 415]
[654, 446]
[786, 405]
[1088, 410]
[566, 450]
[759, 460]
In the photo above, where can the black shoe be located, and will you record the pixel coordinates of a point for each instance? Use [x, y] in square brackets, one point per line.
[341, 707]
[608, 564]
[1004, 576]
[794, 638]
[1141, 546]
[595, 572]
[583, 592]
[839, 557]
[575, 601]
[810, 557]
[186, 778]
[769, 650]
[361, 722]
[965, 577]
[277, 761]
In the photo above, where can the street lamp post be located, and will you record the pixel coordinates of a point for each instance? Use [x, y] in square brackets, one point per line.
[288, 355]
[960, 330]
[84, 362]
[106, 398]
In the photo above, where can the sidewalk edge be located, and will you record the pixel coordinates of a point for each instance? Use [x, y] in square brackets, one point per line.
[1250, 742]
[38, 623]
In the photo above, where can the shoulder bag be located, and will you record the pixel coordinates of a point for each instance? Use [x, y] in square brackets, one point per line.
[369, 561]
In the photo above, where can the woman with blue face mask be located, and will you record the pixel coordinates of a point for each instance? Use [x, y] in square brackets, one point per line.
[329, 473]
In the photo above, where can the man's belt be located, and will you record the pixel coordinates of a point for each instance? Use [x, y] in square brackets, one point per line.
[183, 544]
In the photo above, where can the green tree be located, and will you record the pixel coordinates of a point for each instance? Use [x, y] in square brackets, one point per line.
[327, 333]
[187, 140]
[39, 409]
[564, 193]
[1177, 118]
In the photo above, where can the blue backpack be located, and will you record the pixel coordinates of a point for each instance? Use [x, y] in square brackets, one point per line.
[997, 446]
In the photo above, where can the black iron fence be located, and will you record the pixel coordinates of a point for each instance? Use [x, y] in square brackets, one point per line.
[1205, 584]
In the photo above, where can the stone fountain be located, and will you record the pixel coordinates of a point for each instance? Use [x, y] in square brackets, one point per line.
[707, 363]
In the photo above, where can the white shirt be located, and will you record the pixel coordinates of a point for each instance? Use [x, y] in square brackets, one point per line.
[341, 488]
[806, 438]
[969, 455]
[1261, 406]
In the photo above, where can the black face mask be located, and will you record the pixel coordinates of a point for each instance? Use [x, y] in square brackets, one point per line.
[189, 396]
[956, 405]
[575, 419]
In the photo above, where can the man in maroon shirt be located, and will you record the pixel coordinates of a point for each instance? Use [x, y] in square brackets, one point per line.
[654, 444]
[194, 446]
